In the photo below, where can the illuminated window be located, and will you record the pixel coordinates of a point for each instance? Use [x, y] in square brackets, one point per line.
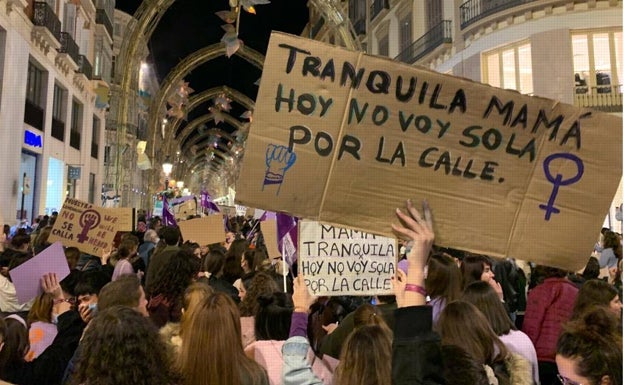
[597, 61]
[509, 67]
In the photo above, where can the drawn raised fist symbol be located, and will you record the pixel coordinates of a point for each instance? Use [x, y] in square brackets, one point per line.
[278, 160]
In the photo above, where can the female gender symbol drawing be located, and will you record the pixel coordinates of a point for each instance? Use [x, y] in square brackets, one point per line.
[559, 181]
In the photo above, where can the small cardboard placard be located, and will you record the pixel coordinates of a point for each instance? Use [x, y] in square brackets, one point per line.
[204, 231]
[125, 217]
[89, 228]
[344, 138]
[269, 232]
[339, 261]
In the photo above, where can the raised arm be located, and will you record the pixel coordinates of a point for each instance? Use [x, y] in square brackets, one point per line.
[297, 370]
[416, 356]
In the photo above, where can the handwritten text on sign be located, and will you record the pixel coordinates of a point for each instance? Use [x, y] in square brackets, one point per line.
[337, 261]
[89, 228]
[343, 137]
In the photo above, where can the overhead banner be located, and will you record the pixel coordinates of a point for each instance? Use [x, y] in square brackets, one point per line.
[343, 137]
[338, 261]
[89, 228]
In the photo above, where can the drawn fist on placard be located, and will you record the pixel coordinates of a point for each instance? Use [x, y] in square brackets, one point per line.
[278, 160]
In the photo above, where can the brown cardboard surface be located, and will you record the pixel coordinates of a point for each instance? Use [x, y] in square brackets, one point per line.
[204, 231]
[269, 232]
[519, 149]
[125, 221]
[89, 228]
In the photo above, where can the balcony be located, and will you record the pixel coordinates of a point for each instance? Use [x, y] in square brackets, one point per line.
[33, 115]
[604, 98]
[69, 46]
[44, 16]
[74, 139]
[101, 17]
[84, 67]
[58, 129]
[377, 7]
[474, 10]
[440, 34]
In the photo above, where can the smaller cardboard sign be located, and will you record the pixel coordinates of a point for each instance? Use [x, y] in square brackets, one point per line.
[269, 232]
[89, 228]
[183, 210]
[339, 261]
[27, 276]
[125, 215]
[204, 231]
[241, 210]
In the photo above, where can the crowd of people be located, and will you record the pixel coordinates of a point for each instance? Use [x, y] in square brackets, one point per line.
[159, 309]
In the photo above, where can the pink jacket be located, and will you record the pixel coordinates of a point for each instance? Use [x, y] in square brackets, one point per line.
[269, 355]
[549, 306]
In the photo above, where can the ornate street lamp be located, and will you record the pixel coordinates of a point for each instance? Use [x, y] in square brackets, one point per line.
[167, 166]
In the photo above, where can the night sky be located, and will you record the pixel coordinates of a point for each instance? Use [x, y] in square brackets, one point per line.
[189, 25]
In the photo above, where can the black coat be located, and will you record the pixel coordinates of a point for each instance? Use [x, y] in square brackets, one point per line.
[49, 367]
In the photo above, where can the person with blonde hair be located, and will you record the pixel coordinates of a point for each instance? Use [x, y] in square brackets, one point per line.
[365, 357]
[41, 325]
[194, 295]
[371, 340]
[211, 352]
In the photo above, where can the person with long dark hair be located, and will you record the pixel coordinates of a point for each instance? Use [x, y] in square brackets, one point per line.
[165, 298]
[589, 350]
[596, 292]
[483, 296]
[443, 282]
[121, 346]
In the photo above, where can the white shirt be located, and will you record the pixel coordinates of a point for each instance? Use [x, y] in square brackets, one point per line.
[8, 297]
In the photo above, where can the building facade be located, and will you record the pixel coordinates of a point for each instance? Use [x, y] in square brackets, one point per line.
[126, 177]
[52, 102]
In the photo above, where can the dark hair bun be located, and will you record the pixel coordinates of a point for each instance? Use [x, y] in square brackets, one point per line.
[265, 300]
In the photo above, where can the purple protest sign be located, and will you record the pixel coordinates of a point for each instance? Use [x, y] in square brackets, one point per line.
[287, 237]
[168, 218]
[26, 277]
[207, 203]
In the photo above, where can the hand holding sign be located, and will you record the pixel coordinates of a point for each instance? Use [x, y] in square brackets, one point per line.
[302, 299]
[420, 231]
[417, 229]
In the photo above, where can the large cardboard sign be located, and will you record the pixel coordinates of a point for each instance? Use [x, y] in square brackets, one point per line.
[339, 261]
[89, 228]
[345, 138]
[204, 231]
